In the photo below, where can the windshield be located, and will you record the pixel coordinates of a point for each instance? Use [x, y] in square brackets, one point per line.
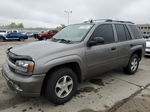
[73, 33]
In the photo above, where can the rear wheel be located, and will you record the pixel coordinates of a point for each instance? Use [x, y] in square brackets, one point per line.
[40, 38]
[133, 64]
[44, 38]
[61, 85]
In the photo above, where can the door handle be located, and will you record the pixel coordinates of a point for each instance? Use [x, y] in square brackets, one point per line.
[113, 48]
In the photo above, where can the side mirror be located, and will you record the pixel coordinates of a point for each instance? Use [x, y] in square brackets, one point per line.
[95, 41]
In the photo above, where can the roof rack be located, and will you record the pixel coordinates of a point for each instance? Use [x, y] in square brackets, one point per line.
[107, 20]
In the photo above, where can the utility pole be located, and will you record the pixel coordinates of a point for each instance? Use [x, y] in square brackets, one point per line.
[68, 15]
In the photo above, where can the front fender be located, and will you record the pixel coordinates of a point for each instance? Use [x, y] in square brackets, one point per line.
[46, 66]
[3, 36]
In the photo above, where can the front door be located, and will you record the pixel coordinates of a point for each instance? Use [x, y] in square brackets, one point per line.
[101, 58]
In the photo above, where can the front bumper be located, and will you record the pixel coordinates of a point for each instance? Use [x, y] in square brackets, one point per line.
[147, 51]
[24, 85]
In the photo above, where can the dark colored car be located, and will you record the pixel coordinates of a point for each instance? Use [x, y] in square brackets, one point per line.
[46, 35]
[13, 36]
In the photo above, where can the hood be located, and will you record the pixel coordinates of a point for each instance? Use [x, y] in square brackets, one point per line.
[147, 43]
[40, 49]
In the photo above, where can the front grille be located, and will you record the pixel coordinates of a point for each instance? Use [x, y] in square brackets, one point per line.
[11, 57]
[12, 69]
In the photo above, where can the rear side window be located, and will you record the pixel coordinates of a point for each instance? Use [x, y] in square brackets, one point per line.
[128, 36]
[135, 31]
[120, 32]
[105, 31]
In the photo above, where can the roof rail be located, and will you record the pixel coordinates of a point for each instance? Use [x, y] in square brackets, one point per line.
[107, 20]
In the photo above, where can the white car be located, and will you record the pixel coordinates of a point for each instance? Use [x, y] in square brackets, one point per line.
[3, 32]
[147, 50]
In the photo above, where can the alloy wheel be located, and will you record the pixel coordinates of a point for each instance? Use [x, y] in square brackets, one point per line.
[64, 86]
[134, 64]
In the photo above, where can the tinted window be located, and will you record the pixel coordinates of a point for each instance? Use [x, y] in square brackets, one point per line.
[120, 32]
[105, 31]
[49, 31]
[128, 36]
[55, 31]
[135, 31]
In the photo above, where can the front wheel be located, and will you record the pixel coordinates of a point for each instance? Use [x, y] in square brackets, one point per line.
[21, 39]
[133, 65]
[61, 85]
[1, 39]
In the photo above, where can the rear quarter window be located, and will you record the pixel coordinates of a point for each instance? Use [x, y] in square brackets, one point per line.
[136, 32]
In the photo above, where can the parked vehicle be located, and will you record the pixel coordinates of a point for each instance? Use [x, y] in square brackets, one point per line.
[146, 36]
[147, 50]
[78, 52]
[14, 31]
[30, 34]
[46, 35]
[13, 36]
[3, 32]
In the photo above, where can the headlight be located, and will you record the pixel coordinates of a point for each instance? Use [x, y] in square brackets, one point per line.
[24, 66]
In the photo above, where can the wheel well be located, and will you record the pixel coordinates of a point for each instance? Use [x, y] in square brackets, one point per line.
[72, 65]
[2, 37]
[139, 53]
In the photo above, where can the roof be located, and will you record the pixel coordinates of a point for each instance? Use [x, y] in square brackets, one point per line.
[107, 20]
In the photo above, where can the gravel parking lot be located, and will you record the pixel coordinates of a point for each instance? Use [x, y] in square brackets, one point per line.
[111, 92]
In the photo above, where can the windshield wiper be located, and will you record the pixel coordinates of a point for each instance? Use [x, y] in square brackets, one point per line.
[61, 40]
[64, 41]
[54, 39]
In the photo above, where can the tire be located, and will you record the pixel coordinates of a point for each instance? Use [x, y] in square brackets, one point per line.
[56, 90]
[40, 38]
[21, 39]
[133, 65]
[44, 38]
[1, 39]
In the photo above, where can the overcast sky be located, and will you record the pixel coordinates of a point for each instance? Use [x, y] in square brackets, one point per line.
[50, 13]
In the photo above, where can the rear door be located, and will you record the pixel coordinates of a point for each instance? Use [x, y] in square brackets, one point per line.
[124, 43]
[101, 58]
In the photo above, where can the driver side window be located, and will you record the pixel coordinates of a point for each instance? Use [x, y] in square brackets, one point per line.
[105, 31]
[49, 32]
